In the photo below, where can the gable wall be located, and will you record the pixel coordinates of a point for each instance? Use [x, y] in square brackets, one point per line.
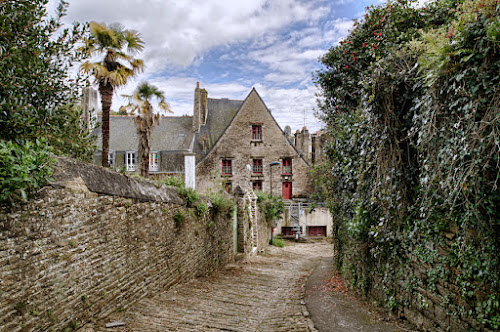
[236, 144]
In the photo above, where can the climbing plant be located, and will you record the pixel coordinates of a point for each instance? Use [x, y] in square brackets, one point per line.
[411, 101]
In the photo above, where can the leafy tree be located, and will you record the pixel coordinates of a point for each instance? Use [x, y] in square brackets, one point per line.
[118, 46]
[140, 102]
[37, 96]
[39, 101]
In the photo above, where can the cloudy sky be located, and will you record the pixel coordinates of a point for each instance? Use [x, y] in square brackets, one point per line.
[230, 46]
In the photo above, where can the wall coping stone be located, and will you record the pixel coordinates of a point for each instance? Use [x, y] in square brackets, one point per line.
[69, 173]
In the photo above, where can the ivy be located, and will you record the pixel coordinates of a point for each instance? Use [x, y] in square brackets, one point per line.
[411, 101]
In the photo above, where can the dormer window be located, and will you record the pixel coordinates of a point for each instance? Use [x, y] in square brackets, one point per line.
[153, 161]
[131, 161]
[256, 133]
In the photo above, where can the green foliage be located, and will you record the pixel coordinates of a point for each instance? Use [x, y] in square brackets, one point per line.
[174, 181]
[201, 209]
[278, 242]
[221, 204]
[272, 207]
[411, 101]
[179, 219]
[25, 168]
[37, 98]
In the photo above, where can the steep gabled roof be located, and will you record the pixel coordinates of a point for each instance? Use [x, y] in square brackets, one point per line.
[172, 134]
[231, 115]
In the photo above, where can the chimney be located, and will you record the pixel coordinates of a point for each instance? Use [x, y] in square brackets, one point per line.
[196, 108]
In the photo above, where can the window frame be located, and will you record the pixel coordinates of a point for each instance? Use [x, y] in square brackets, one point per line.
[131, 167]
[257, 166]
[257, 185]
[257, 132]
[228, 186]
[111, 159]
[286, 168]
[156, 167]
[227, 167]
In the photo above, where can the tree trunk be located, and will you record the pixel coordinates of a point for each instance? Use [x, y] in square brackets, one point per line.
[106, 91]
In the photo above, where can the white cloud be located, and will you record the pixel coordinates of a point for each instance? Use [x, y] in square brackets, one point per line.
[176, 32]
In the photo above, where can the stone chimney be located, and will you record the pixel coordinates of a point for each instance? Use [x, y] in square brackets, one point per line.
[200, 107]
[196, 108]
[303, 143]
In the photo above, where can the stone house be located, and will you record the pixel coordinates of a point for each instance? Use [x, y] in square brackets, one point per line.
[226, 142]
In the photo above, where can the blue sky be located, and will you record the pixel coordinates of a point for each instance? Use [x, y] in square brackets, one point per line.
[231, 46]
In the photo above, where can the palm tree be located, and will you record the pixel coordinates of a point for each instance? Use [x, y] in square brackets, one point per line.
[118, 46]
[145, 120]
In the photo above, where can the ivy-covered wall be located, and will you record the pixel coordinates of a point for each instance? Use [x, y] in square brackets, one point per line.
[411, 100]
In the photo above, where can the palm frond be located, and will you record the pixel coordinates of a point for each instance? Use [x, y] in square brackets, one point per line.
[134, 41]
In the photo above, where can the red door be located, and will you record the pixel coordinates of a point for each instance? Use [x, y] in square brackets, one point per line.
[287, 190]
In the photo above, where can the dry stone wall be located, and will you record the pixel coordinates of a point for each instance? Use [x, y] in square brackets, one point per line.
[72, 256]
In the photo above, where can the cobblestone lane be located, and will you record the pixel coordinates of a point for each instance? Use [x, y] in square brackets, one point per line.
[263, 294]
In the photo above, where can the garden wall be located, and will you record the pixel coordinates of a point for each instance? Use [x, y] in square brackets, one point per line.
[71, 256]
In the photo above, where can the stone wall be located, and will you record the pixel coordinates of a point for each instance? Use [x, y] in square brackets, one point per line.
[415, 291]
[72, 256]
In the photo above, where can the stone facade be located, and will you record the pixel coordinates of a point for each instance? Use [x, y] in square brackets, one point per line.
[221, 129]
[72, 256]
[238, 146]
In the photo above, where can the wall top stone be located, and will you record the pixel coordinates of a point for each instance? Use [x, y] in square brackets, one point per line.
[70, 173]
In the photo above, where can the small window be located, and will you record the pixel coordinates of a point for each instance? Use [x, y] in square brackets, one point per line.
[227, 168]
[257, 166]
[228, 186]
[256, 133]
[257, 185]
[153, 161]
[287, 166]
[111, 159]
[131, 161]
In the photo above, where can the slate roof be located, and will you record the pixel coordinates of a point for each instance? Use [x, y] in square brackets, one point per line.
[220, 114]
[172, 134]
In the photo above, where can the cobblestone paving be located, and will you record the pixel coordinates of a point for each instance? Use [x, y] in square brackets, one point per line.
[263, 294]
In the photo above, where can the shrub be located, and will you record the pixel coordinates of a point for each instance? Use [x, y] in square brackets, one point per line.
[23, 168]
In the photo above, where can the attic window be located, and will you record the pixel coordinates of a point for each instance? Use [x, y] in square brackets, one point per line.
[256, 133]
[227, 168]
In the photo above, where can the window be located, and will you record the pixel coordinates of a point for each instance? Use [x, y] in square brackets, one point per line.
[111, 159]
[227, 168]
[256, 133]
[257, 166]
[228, 186]
[131, 161]
[257, 185]
[287, 166]
[153, 161]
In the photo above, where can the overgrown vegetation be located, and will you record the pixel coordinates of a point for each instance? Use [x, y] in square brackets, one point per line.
[38, 99]
[271, 207]
[411, 98]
